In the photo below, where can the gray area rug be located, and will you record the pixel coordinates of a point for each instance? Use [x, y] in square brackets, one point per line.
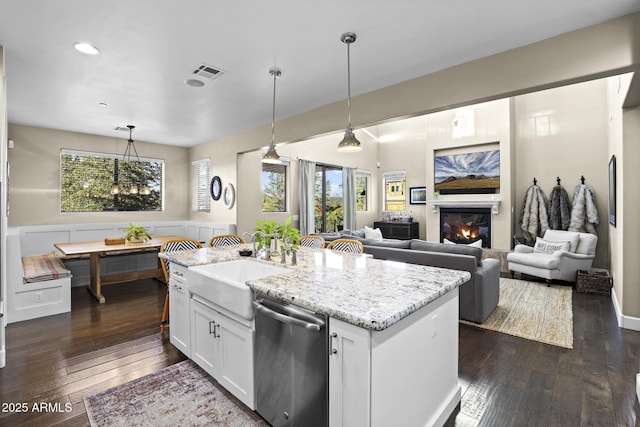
[534, 311]
[179, 395]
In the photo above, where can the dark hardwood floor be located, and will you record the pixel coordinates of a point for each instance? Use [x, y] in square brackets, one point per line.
[506, 381]
[62, 359]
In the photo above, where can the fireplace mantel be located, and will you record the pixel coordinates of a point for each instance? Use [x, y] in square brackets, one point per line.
[436, 204]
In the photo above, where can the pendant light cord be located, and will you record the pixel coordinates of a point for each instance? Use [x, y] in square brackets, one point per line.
[349, 84]
[273, 117]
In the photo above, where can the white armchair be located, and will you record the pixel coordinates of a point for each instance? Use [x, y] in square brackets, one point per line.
[557, 256]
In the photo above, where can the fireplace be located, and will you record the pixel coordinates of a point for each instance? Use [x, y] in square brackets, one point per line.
[466, 225]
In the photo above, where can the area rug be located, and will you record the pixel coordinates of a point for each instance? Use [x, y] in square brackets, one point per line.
[179, 395]
[534, 311]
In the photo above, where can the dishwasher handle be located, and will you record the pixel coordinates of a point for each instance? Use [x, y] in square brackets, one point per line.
[309, 322]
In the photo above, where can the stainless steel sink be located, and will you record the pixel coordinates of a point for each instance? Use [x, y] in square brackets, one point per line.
[224, 283]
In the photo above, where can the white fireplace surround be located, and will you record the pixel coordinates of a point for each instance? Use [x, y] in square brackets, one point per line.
[436, 204]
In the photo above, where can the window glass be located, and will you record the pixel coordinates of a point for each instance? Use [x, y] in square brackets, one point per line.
[362, 191]
[274, 187]
[395, 185]
[201, 170]
[86, 181]
[328, 199]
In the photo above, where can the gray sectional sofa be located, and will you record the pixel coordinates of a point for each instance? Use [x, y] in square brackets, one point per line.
[478, 297]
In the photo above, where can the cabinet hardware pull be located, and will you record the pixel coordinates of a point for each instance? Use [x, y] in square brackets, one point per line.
[216, 333]
[214, 328]
[333, 350]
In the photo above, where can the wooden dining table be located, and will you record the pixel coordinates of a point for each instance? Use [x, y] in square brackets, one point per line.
[98, 249]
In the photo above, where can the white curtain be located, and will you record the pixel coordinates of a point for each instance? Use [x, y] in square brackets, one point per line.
[349, 198]
[307, 196]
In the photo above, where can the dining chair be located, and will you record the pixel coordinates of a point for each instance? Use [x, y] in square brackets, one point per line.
[312, 242]
[225, 240]
[172, 246]
[346, 245]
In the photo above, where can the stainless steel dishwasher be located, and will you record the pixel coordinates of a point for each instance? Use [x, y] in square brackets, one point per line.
[291, 365]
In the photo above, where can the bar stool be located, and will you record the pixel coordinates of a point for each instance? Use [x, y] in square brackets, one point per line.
[225, 240]
[346, 245]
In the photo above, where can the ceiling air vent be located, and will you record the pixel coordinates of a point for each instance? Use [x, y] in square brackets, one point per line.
[207, 72]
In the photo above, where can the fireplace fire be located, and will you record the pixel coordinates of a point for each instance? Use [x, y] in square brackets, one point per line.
[466, 225]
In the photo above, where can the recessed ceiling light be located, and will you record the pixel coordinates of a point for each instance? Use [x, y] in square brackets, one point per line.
[194, 82]
[86, 48]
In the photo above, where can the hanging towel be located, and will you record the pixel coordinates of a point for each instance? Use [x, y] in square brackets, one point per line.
[534, 218]
[584, 212]
[559, 209]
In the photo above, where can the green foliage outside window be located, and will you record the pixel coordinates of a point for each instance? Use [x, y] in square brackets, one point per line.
[274, 190]
[86, 179]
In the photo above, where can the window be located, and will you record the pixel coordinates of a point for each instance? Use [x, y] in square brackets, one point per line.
[328, 199]
[362, 190]
[274, 187]
[394, 184]
[201, 170]
[86, 179]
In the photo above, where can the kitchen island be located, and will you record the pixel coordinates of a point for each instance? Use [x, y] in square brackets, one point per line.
[393, 330]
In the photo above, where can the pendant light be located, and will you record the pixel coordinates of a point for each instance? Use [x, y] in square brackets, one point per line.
[271, 156]
[349, 143]
[130, 188]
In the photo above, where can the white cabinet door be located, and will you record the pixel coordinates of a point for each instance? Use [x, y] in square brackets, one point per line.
[235, 359]
[349, 375]
[204, 333]
[179, 316]
[224, 348]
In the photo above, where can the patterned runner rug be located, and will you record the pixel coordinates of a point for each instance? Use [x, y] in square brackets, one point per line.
[534, 311]
[179, 395]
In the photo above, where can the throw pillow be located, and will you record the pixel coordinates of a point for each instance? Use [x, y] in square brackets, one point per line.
[372, 233]
[476, 244]
[547, 247]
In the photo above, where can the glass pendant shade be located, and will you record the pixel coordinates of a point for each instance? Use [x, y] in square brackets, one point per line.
[133, 189]
[115, 188]
[271, 156]
[145, 190]
[349, 143]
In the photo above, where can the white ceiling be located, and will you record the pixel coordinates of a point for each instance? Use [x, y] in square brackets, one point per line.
[150, 47]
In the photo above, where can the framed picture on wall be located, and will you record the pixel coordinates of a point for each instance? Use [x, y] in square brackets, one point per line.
[418, 195]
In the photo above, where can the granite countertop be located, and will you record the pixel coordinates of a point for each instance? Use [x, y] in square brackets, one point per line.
[366, 292]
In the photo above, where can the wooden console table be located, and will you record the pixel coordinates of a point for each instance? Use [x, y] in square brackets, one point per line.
[98, 249]
[398, 230]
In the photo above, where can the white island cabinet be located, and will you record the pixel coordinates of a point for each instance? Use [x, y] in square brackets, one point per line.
[223, 347]
[179, 330]
[393, 333]
[404, 375]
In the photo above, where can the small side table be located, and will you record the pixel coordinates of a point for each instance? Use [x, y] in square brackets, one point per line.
[594, 281]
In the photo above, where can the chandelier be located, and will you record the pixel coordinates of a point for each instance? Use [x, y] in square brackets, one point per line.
[129, 187]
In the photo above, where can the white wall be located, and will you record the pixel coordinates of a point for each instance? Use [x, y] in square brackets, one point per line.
[492, 128]
[563, 132]
[35, 177]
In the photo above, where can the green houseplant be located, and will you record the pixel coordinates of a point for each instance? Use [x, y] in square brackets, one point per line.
[137, 234]
[264, 233]
[290, 236]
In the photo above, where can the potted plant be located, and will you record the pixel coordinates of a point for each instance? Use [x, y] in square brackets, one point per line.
[137, 234]
[265, 231]
[290, 236]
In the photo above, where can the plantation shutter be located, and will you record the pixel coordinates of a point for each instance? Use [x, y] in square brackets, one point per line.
[201, 175]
